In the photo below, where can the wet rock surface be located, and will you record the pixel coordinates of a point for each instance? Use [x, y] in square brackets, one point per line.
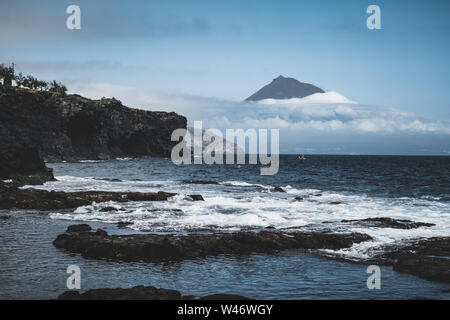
[21, 164]
[428, 259]
[15, 198]
[196, 197]
[140, 293]
[221, 296]
[155, 248]
[199, 182]
[383, 222]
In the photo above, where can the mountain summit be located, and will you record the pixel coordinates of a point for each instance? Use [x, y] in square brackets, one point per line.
[284, 88]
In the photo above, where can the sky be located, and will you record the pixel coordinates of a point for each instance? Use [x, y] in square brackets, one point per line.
[203, 58]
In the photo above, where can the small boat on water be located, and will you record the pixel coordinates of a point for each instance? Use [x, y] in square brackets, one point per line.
[301, 157]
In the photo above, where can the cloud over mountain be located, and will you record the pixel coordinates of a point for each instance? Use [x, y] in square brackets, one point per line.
[301, 122]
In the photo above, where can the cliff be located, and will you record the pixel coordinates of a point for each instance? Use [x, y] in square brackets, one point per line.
[75, 128]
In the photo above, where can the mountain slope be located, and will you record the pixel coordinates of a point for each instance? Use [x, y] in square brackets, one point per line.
[284, 88]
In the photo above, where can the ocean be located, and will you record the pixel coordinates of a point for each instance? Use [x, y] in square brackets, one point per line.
[323, 188]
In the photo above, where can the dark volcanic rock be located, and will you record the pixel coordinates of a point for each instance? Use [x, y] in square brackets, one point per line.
[123, 224]
[196, 197]
[153, 247]
[14, 198]
[384, 222]
[140, 293]
[108, 179]
[79, 228]
[108, 209]
[325, 240]
[278, 189]
[73, 128]
[427, 259]
[21, 164]
[199, 182]
[222, 296]
[135, 293]
[284, 88]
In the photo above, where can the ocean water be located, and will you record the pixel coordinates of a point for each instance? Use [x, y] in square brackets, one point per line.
[414, 188]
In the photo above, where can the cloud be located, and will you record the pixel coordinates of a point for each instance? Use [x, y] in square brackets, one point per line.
[326, 97]
[326, 126]
[328, 117]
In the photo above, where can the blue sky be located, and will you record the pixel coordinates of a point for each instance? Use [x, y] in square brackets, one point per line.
[226, 50]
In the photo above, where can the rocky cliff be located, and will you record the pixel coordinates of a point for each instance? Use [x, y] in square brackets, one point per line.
[75, 128]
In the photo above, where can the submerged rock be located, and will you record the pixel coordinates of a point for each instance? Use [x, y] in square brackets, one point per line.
[199, 182]
[384, 222]
[428, 259]
[123, 224]
[79, 228]
[139, 247]
[108, 209]
[135, 293]
[140, 293]
[14, 198]
[196, 197]
[222, 296]
[108, 179]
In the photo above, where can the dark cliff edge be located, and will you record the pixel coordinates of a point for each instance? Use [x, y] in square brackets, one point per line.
[40, 125]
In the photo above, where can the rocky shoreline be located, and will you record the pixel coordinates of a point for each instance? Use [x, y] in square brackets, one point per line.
[15, 198]
[42, 125]
[21, 164]
[155, 248]
[426, 259]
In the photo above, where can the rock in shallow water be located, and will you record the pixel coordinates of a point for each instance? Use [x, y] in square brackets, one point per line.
[79, 228]
[384, 222]
[14, 198]
[168, 247]
[21, 164]
[140, 293]
[427, 259]
[108, 209]
[199, 182]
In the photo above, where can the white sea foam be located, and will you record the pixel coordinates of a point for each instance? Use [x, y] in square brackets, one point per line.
[237, 205]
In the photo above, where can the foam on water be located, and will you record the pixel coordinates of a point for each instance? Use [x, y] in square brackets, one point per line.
[237, 205]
